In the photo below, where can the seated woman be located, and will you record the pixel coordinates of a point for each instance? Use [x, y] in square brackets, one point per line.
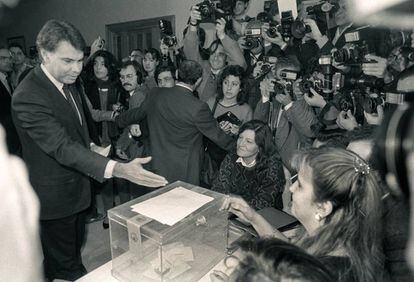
[337, 200]
[272, 260]
[256, 172]
[231, 110]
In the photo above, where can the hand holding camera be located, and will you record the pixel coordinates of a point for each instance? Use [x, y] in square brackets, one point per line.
[377, 68]
[375, 118]
[275, 38]
[195, 15]
[97, 44]
[314, 33]
[314, 99]
[220, 28]
[265, 88]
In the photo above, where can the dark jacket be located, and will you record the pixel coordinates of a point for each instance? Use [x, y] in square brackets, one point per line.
[177, 121]
[55, 146]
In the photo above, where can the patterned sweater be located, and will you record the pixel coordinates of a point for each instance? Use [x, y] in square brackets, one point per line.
[261, 186]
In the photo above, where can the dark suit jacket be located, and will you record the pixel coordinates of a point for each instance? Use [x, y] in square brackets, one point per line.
[55, 146]
[12, 139]
[177, 122]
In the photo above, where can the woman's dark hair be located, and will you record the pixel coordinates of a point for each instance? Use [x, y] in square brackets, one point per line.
[110, 63]
[139, 71]
[236, 71]
[155, 54]
[342, 178]
[262, 137]
[276, 260]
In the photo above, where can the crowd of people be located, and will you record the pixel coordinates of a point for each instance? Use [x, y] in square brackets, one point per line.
[271, 98]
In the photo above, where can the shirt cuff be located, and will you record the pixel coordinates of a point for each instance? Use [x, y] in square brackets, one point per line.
[109, 169]
[288, 106]
[265, 99]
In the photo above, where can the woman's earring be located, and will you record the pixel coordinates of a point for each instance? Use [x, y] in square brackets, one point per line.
[318, 217]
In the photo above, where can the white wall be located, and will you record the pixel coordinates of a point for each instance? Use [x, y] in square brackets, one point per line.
[91, 16]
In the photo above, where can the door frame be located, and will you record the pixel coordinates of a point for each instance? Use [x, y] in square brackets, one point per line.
[113, 30]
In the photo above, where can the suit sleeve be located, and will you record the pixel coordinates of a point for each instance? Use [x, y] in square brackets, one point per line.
[301, 116]
[133, 116]
[37, 119]
[207, 125]
[232, 48]
[190, 46]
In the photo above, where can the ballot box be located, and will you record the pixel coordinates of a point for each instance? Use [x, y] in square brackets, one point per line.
[176, 233]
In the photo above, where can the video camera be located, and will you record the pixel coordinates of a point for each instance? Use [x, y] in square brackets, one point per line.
[167, 35]
[211, 10]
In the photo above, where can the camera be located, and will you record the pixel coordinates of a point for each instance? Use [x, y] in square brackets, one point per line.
[300, 29]
[365, 81]
[324, 7]
[270, 7]
[253, 35]
[325, 61]
[167, 35]
[272, 29]
[305, 85]
[212, 10]
[371, 103]
[285, 27]
[400, 39]
[353, 53]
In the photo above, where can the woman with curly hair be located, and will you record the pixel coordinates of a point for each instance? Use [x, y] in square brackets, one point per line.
[338, 201]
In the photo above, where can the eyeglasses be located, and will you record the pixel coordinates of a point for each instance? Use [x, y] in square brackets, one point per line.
[128, 76]
[3, 58]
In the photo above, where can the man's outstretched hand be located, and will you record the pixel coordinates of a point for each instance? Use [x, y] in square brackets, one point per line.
[134, 172]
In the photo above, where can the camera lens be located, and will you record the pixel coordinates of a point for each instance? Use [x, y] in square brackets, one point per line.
[299, 29]
[341, 55]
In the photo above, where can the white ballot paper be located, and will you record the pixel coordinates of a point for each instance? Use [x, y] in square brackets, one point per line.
[172, 206]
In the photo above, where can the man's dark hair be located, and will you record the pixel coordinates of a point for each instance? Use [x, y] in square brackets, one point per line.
[162, 68]
[55, 31]
[110, 63]
[137, 67]
[17, 45]
[189, 72]
[276, 260]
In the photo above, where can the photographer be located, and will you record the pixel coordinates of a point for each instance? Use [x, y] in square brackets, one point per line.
[290, 118]
[223, 51]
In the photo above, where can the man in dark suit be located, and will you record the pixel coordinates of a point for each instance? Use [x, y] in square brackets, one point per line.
[52, 121]
[177, 121]
[12, 140]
